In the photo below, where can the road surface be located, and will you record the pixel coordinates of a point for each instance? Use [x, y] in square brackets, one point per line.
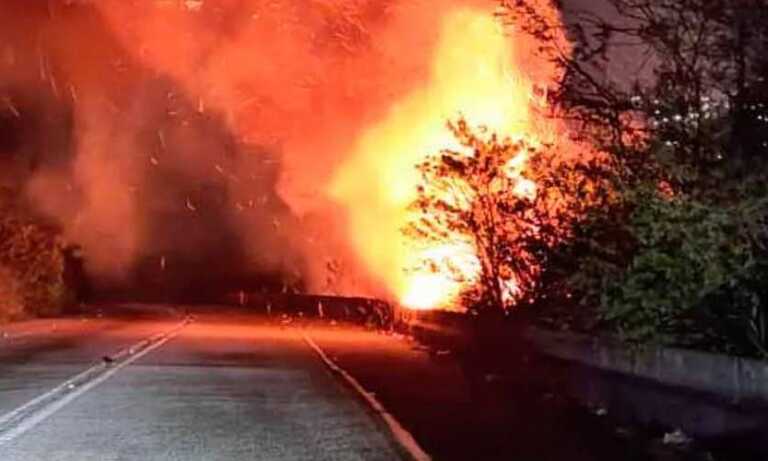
[153, 385]
[164, 383]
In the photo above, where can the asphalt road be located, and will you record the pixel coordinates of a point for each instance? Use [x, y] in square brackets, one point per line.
[160, 383]
[148, 385]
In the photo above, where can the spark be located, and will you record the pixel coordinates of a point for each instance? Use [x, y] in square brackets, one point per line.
[11, 106]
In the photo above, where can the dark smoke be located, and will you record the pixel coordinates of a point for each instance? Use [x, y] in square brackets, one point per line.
[188, 144]
[155, 188]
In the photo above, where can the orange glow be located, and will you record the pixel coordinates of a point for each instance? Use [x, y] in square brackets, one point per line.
[349, 96]
[480, 73]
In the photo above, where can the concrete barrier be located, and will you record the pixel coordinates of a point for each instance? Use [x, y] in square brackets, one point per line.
[735, 379]
[706, 395]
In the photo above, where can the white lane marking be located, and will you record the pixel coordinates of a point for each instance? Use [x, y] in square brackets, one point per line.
[401, 435]
[16, 423]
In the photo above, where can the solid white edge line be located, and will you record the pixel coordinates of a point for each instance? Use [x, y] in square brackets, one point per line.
[401, 435]
[42, 414]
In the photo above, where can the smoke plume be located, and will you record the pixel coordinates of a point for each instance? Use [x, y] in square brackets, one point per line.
[193, 142]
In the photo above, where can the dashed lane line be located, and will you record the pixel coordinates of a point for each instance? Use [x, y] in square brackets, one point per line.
[37, 410]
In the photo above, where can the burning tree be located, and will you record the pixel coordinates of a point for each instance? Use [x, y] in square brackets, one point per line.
[495, 209]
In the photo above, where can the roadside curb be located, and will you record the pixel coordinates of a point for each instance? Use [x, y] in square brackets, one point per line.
[400, 434]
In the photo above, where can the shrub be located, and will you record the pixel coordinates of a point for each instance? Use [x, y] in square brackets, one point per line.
[32, 267]
[677, 270]
[11, 302]
[508, 204]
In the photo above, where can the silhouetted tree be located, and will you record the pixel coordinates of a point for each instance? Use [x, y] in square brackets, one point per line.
[500, 206]
[674, 93]
[685, 76]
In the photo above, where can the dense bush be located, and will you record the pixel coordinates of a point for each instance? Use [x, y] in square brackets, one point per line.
[11, 302]
[679, 257]
[509, 221]
[32, 268]
[684, 272]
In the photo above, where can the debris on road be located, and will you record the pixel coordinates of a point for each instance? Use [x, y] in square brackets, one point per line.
[677, 437]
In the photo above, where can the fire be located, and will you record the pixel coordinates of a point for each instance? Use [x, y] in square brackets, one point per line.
[430, 287]
[478, 73]
[350, 96]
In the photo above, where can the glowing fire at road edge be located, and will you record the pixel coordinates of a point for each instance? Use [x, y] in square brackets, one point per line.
[477, 75]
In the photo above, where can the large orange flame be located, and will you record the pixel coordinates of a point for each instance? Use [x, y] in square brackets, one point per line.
[479, 73]
[311, 76]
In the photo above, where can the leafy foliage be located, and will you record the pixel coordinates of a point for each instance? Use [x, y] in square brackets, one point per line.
[32, 268]
[678, 255]
[682, 251]
[11, 302]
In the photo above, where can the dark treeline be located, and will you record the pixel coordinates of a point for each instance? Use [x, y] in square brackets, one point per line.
[674, 93]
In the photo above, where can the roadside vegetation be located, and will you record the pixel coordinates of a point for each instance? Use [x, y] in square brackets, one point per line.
[512, 203]
[33, 266]
[664, 239]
